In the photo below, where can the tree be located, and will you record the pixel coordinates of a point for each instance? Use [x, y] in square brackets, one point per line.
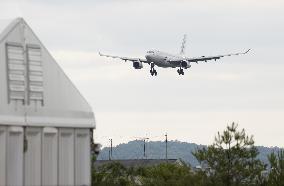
[169, 174]
[231, 159]
[276, 175]
[112, 174]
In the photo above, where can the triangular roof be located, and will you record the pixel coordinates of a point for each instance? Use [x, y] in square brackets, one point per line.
[49, 97]
[6, 24]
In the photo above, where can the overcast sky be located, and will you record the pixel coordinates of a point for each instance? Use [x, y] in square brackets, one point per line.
[129, 103]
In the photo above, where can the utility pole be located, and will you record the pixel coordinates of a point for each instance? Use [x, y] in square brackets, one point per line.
[109, 154]
[144, 146]
[145, 155]
[110, 150]
[166, 146]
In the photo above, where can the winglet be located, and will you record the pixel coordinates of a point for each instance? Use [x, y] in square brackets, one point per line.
[100, 54]
[247, 51]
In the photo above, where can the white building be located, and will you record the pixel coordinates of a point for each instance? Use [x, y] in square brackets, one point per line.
[45, 123]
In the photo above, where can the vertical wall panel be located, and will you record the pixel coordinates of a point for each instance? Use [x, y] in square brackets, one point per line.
[32, 169]
[49, 156]
[82, 157]
[14, 156]
[66, 157]
[53, 157]
[2, 156]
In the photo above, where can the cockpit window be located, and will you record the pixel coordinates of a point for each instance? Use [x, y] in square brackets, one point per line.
[150, 52]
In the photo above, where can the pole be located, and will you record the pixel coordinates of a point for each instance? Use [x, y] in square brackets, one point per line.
[144, 148]
[110, 150]
[109, 154]
[166, 146]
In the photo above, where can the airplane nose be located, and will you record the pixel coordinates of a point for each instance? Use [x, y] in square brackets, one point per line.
[148, 57]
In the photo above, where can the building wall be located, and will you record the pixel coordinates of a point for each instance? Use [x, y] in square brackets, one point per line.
[3, 140]
[60, 105]
[35, 156]
[44, 120]
[49, 156]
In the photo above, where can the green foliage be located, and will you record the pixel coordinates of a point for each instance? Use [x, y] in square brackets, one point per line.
[113, 174]
[169, 175]
[276, 176]
[231, 160]
[166, 174]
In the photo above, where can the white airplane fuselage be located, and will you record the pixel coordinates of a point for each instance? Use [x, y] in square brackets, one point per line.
[161, 59]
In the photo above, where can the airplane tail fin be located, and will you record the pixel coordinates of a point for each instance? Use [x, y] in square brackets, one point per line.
[182, 50]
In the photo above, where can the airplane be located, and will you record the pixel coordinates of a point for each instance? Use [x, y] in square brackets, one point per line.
[166, 60]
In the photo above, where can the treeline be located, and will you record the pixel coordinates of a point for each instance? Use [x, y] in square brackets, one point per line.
[176, 150]
[230, 161]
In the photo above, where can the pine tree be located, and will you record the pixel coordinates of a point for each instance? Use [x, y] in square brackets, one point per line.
[231, 159]
[276, 175]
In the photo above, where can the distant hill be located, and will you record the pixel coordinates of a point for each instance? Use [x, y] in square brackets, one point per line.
[157, 150]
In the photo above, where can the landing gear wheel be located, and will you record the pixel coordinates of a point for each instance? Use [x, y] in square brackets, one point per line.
[180, 71]
[153, 71]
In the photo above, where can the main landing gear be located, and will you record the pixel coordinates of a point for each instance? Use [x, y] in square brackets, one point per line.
[153, 71]
[180, 71]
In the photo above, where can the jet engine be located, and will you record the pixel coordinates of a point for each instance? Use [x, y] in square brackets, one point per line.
[137, 64]
[185, 64]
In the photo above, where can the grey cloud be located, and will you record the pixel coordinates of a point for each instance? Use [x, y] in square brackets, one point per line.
[250, 83]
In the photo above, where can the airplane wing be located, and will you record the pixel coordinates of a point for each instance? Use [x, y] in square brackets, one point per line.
[125, 58]
[207, 58]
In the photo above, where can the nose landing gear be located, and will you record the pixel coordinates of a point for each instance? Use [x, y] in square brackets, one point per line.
[153, 71]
